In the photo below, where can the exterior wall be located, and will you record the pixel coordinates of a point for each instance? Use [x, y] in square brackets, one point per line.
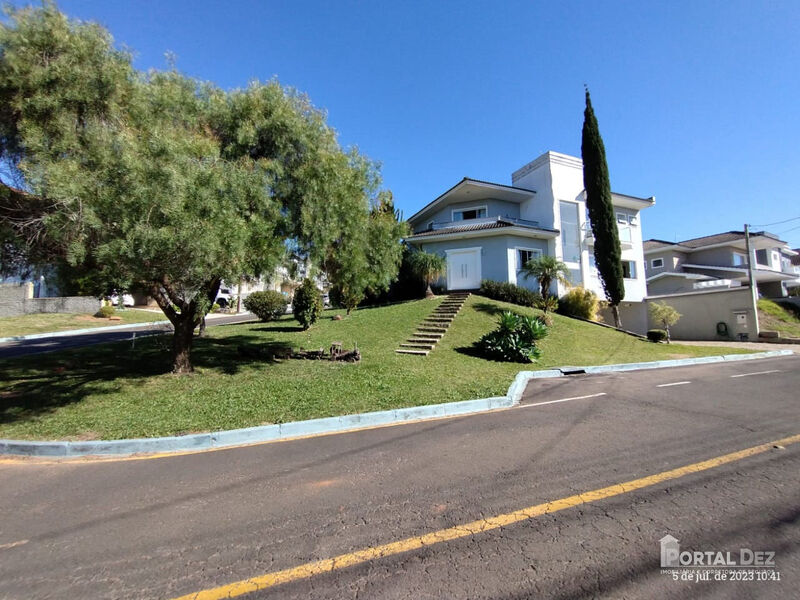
[494, 262]
[700, 313]
[633, 315]
[672, 261]
[494, 208]
[498, 255]
[16, 300]
[670, 285]
[722, 257]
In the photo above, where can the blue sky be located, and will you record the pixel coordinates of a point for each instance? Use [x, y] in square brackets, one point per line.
[698, 102]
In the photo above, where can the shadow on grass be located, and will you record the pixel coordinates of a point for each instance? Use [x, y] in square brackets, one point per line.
[488, 308]
[278, 329]
[32, 386]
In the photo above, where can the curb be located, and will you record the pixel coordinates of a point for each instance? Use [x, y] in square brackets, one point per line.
[71, 332]
[283, 431]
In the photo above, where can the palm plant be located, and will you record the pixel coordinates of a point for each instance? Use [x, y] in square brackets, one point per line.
[428, 267]
[546, 269]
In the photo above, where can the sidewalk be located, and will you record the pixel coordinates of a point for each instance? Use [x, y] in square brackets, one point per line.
[761, 346]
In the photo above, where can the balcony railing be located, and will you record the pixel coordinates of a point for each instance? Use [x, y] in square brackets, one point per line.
[625, 236]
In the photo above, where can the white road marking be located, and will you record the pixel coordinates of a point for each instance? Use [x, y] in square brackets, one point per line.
[561, 400]
[13, 544]
[676, 383]
[757, 373]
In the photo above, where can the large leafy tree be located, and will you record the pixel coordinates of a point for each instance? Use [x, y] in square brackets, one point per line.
[607, 251]
[157, 181]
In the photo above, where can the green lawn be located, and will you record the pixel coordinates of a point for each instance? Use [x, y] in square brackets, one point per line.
[112, 391]
[775, 317]
[48, 322]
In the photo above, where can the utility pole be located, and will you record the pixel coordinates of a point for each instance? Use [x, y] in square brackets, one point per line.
[752, 277]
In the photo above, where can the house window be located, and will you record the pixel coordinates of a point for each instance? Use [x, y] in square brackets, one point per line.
[632, 219]
[469, 213]
[622, 218]
[739, 260]
[657, 263]
[526, 254]
[628, 269]
[761, 258]
[570, 232]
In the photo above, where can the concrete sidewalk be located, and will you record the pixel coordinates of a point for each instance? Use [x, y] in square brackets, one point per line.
[759, 346]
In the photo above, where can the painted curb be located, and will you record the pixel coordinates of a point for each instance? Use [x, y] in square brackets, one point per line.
[297, 429]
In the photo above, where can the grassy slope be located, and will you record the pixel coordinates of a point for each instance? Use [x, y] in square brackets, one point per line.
[113, 392]
[48, 322]
[774, 317]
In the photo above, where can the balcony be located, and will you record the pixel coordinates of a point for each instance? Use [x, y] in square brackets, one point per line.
[625, 237]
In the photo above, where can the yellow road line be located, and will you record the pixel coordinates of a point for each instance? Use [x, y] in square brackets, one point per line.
[343, 561]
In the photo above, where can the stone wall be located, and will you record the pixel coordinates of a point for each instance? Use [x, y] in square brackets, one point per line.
[18, 300]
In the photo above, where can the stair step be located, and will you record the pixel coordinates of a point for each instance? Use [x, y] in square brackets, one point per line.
[426, 337]
[418, 346]
[433, 329]
[417, 352]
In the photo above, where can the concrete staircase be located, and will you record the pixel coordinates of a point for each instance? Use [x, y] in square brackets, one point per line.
[434, 326]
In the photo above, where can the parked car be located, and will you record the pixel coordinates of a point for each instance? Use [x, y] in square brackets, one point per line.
[127, 300]
[224, 297]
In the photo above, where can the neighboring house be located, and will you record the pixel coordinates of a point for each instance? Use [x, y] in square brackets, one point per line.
[489, 230]
[720, 261]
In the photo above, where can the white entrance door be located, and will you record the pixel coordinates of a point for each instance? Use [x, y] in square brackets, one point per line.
[464, 269]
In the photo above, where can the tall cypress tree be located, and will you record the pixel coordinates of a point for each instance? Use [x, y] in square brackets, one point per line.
[607, 251]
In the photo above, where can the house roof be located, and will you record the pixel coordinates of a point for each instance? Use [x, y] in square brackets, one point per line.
[460, 192]
[514, 226]
[707, 240]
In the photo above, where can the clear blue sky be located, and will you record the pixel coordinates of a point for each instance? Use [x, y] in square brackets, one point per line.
[698, 102]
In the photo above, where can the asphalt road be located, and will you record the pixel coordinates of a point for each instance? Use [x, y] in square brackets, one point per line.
[37, 346]
[165, 527]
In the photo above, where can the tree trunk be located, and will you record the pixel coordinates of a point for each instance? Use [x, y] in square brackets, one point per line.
[202, 331]
[615, 312]
[429, 292]
[182, 345]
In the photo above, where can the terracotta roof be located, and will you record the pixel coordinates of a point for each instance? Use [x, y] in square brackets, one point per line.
[460, 228]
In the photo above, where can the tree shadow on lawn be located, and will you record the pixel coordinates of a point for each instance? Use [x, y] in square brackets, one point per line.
[489, 308]
[41, 384]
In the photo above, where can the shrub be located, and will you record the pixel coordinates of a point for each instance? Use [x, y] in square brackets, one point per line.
[514, 340]
[106, 312]
[267, 305]
[307, 304]
[549, 304]
[508, 292]
[656, 335]
[215, 308]
[579, 302]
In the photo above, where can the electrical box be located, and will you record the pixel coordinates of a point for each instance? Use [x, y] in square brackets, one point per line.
[741, 319]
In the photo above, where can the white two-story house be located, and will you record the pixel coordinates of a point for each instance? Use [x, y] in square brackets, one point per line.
[489, 230]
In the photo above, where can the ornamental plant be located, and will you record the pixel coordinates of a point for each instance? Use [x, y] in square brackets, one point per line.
[267, 305]
[514, 340]
[307, 304]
